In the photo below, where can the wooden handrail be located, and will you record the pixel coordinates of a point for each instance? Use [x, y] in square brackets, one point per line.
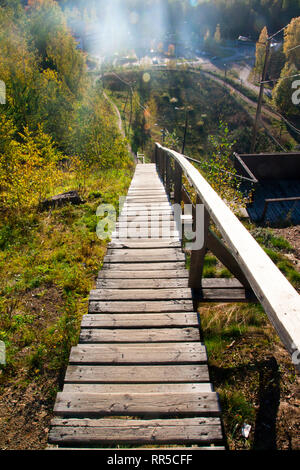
[279, 299]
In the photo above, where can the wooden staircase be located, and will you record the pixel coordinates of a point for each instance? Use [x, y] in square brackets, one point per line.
[139, 375]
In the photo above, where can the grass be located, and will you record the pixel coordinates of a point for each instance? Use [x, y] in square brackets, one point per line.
[242, 348]
[48, 264]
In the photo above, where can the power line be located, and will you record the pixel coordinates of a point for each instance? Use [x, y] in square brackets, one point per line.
[282, 78]
[282, 29]
[293, 48]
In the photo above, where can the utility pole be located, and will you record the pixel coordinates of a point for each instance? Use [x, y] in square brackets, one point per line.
[260, 97]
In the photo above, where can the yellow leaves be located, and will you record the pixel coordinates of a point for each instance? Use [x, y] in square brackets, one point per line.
[28, 169]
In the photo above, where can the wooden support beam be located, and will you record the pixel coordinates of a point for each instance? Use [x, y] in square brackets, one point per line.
[218, 248]
[197, 260]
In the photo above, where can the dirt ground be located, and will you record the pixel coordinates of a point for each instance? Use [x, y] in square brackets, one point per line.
[292, 235]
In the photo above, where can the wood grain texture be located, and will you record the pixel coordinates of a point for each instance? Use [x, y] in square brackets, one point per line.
[151, 320]
[139, 388]
[174, 373]
[153, 306]
[171, 431]
[136, 404]
[136, 353]
[140, 294]
[155, 335]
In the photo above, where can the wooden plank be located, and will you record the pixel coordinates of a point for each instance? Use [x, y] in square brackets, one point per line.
[163, 283]
[139, 294]
[146, 252]
[151, 320]
[143, 244]
[139, 388]
[137, 218]
[189, 373]
[223, 295]
[140, 258]
[141, 283]
[139, 353]
[138, 274]
[89, 405]
[142, 205]
[158, 197]
[146, 212]
[145, 266]
[141, 306]
[171, 431]
[145, 233]
[147, 223]
[154, 335]
[278, 297]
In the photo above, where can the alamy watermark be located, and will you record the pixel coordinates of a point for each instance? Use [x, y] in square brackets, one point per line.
[152, 221]
[296, 94]
[2, 353]
[295, 355]
[2, 92]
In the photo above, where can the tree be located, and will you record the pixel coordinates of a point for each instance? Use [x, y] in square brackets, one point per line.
[261, 51]
[283, 92]
[291, 43]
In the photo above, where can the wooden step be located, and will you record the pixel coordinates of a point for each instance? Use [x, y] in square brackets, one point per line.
[149, 320]
[130, 243]
[158, 266]
[139, 274]
[154, 306]
[142, 283]
[141, 258]
[158, 431]
[140, 294]
[139, 388]
[174, 373]
[156, 335]
[92, 405]
[139, 353]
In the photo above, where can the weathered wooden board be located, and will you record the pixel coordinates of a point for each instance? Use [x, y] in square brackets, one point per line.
[140, 294]
[151, 320]
[138, 274]
[145, 233]
[90, 405]
[171, 431]
[143, 244]
[141, 283]
[155, 335]
[164, 283]
[146, 252]
[141, 306]
[174, 373]
[138, 353]
[140, 258]
[144, 266]
[146, 212]
[137, 219]
[139, 388]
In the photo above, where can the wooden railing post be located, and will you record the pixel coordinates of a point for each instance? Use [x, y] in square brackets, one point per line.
[177, 183]
[197, 259]
[168, 174]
